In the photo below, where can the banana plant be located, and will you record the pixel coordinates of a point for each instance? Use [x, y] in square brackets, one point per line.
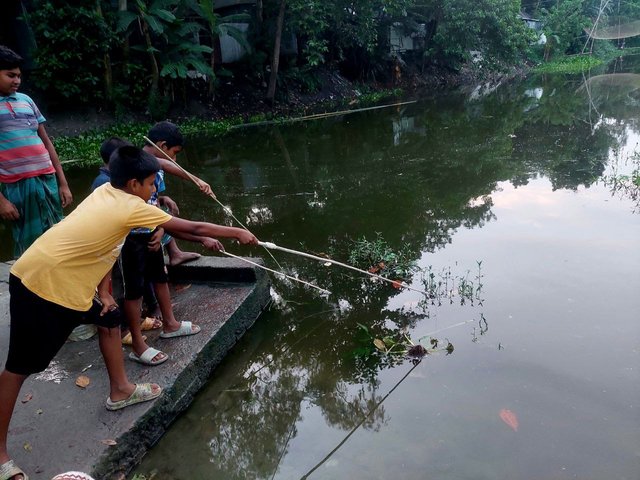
[217, 26]
[152, 19]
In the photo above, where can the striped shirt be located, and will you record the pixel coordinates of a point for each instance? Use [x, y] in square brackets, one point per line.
[22, 153]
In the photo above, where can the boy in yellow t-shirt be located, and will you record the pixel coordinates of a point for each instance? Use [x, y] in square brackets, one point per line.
[53, 284]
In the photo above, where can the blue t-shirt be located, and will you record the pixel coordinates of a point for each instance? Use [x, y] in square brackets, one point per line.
[103, 177]
[160, 187]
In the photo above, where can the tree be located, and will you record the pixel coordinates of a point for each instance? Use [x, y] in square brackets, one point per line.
[68, 35]
[216, 26]
[275, 58]
[563, 27]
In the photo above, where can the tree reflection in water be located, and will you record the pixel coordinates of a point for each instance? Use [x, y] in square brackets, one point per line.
[319, 186]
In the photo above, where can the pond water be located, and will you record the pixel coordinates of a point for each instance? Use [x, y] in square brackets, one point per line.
[510, 193]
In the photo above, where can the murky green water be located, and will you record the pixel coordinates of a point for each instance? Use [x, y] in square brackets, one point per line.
[516, 180]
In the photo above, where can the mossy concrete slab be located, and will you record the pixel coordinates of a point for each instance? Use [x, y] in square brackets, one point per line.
[58, 426]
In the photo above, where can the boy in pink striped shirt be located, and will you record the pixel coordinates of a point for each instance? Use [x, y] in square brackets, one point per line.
[33, 188]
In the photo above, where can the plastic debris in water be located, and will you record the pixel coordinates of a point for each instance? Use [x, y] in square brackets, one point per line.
[417, 351]
[509, 418]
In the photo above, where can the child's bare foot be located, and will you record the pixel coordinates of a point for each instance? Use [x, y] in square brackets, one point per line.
[182, 257]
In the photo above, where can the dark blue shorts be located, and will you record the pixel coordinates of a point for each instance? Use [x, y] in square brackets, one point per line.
[39, 328]
[139, 265]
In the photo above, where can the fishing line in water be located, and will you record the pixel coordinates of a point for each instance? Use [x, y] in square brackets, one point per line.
[459, 324]
[289, 347]
[364, 418]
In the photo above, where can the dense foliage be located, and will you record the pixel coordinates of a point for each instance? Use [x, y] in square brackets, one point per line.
[150, 53]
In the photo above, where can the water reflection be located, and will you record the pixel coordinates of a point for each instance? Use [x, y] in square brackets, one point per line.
[510, 179]
[436, 178]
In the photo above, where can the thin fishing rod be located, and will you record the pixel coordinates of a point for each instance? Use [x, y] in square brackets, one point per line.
[395, 283]
[318, 116]
[226, 209]
[359, 424]
[323, 290]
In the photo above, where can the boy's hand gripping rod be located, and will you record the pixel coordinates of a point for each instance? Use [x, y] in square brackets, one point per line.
[229, 212]
[226, 209]
[273, 246]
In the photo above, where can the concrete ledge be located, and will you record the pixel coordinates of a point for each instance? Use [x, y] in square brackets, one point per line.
[63, 427]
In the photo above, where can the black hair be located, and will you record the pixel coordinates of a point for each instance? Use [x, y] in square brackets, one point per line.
[110, 145]
[166, 132]
[129, 162]
[9, 59]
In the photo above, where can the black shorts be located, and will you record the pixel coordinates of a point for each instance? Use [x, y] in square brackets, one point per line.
[139, 265]
[39, 328]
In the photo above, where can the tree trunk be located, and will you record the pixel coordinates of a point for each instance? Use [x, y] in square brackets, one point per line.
[275, 60]
[155, 70]
[212, 78]
[106, 60]
[259, 14]
[122, 7]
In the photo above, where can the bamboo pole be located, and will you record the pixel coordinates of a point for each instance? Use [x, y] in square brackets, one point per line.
[395, 283]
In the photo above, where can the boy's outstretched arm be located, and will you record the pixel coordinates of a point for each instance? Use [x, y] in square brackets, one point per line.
[207, 242]
[180, 226]
[170, 167]
[63, 187]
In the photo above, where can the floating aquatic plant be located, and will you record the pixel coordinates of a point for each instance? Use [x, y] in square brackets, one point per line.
[378, 257]
[401, 344]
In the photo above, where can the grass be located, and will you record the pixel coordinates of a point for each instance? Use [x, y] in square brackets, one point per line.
[82, 150]
[579, 63]
[573, 64]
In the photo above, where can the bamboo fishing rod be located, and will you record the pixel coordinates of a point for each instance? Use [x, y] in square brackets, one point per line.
[395, 283]
[226, 209]
[318, 116]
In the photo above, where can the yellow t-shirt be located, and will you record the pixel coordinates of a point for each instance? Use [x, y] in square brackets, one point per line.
[66, 264]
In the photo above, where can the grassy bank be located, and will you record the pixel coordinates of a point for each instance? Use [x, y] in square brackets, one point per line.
[580, 63]
[82, 150]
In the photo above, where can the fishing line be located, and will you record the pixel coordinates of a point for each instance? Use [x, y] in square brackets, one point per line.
[430, 334]
[323, 290]
[284, 449]
[364, 418]
[318, 116]
[226, 209]
[284, 350]
[395, 283]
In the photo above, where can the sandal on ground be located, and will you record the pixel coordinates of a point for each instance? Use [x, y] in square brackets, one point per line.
[9, 469]
[127, 340]
[73, 476]
[147, 357]
[186, 329]
[143, 393]
[150, 323]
